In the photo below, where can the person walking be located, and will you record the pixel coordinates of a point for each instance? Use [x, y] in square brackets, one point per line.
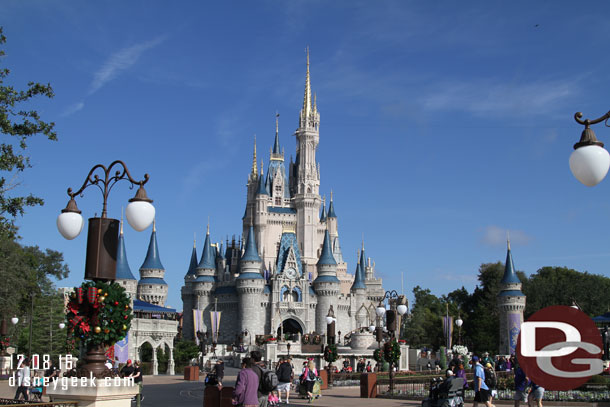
[137, 379]
[23, 380]
[481, 391]
[219, 370]
[460, 372]
[285, 376]
[128, 369]
[245, 393]
[491, 380]
[310, 375]
[535, 396]
[257, 367]
[521, 383]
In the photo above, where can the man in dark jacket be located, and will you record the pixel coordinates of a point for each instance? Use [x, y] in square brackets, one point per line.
[285, 376]
[219, 370]
[257, 367]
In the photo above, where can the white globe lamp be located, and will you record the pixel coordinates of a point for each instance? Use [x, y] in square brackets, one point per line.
[329, 320]
[70, 222]
[590, 164]
[459, 322]
[14, 320]
[380, 311]
[372, 328]
[62, 325]
[402, 309]
[140, 213]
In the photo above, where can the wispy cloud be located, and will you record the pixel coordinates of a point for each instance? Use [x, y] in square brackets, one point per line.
[70, 110]
[496, 236]
[121, 61]
[482, 98]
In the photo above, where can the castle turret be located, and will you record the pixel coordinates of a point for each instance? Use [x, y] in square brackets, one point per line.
[250, 285]
[124, 276]
[152, 288]
[511, 304]
[326, 285]
[188, 303]
[306, 181]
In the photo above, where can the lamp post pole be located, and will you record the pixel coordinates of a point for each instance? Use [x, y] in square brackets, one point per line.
[459, 323]
[103, 235]
[330, 339]
[390, 319]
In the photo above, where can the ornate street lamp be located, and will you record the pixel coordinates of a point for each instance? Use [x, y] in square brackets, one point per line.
[288, 347]
[103, 234]
[459, 324]
[390, 320]
[589, 161]
[330, 326]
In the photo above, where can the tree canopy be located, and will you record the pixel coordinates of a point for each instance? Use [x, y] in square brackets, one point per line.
[17, 125]
[479, 311]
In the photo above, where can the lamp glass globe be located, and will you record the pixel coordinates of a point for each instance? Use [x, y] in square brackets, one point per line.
[70, 224]
[329, 320]
[14, 320]
[380, 311]
[590, 164]
[140, 214]
[459, 322]
[62, 325]
[402, 309]
[372, 328]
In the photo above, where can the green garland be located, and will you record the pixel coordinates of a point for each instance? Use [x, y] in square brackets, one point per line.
[330, 353]
[99, 313]
[392, 352]
[378, 355]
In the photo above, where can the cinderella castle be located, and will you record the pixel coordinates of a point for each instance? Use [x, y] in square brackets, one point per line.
[287, 270]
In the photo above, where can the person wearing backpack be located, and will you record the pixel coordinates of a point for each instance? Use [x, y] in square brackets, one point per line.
[491, 380]
[267, 379]
[310, 375]
[284, 376]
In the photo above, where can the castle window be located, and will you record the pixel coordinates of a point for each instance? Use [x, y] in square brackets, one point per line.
[278, 200]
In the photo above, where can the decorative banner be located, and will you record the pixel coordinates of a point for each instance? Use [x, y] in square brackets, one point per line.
[215, 318]
[514, 327]
[448, 330]
[121, 350]
[197, 323]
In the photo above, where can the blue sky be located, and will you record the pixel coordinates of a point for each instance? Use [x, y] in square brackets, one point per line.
[443, 124]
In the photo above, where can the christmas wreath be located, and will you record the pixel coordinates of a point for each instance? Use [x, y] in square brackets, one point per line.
[99, 313]
[305, 339]
[5, 342]
[317, 339]
[330, 353]
[378, 355]
[391, 351]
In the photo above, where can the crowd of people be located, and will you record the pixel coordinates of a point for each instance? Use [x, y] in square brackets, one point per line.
[256, 386]
[485, 379]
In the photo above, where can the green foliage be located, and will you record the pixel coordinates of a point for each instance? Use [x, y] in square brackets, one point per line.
[378, 355]
[330, 353]
[561, 286]
[17, 125]
[184, 351]
[106, 320]
[443, 358]
[424, 327]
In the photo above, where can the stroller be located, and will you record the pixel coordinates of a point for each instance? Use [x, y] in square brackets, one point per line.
[445, 393]
[211, 379]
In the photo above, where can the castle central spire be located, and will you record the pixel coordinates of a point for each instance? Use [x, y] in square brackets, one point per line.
[307, 96]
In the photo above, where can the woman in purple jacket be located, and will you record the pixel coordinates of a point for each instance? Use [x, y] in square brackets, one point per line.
[246, 386]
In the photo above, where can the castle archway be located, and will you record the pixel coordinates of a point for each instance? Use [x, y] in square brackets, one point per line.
[290, 327]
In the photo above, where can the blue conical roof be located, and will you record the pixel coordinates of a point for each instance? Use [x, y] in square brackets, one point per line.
[323, 214]
[123, 272]
[358, 278]
[510, 277]
[362, 263]
[152, 260]
[193, 264]
[208, 258]
[262, 189]
[331, 210]
[327, 258]
[251, 253]
[276, 144]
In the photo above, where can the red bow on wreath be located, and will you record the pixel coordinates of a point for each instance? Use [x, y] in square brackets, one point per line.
[76, 320]
[80, 293]
[92, 295]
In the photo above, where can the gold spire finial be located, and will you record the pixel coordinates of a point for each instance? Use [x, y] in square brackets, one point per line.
[208, 229]
[254, 157]
[315, 102]
[363, 241]
[357, 256]
[194, 239]
[277, 123]
[331, 195]
[261, 167]
[307, 96]
[154, 225]
[121, 230]
[324, 201]
[508, 239]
